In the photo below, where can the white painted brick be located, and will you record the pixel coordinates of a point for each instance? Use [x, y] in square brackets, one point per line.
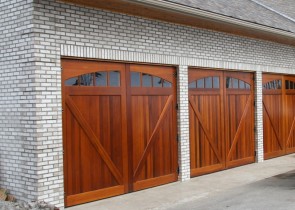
[30, 103]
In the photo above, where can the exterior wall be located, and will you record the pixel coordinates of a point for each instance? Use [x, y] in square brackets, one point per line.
[183, 124]
[258, 118]
[18, 129]
[68, 30]
[30, 126]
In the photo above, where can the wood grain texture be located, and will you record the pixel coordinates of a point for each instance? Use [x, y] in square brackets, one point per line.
[153, 127]
[221, 122]
[278, 117]
[290, 116]
[239, 109]
[117, 139]
[274, 142]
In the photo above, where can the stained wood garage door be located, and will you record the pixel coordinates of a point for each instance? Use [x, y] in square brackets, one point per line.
[221, 120]
[278, 115]
[119, 126]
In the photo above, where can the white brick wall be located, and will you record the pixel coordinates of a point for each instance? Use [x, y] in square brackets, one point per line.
[183, 124]
[258, 118]
[30, 108]
[18, 154]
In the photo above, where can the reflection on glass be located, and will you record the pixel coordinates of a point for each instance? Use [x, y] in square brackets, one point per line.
[72, 81]
[114, 78]
[228, 82]
[86, 80]
[235, 83]
[208, 82]
[167, 84]
[287, 84]
[279, 84]
[247, 86]
[100, 78]
[146, 80]
[200, 83]
[135, 79]
[292, 86]
[275, 84]
[241, 84]
[215, 82]
[157, 81]
[192, 84]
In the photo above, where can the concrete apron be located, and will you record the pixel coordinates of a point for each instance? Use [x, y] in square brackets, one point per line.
[198, 188]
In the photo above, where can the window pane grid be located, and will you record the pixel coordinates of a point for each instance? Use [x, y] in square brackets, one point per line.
[290, 85]
[233, 83]
[274, 85]
[205, 83]
[147, 80]
[99, 79]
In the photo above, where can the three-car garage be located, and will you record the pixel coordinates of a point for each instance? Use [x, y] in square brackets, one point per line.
[120, 124]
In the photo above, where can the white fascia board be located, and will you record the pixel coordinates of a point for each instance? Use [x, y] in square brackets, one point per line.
[210, 15]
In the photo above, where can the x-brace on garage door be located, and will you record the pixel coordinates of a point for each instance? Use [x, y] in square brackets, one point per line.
[278, 115]
[119, 126]
[221, 108]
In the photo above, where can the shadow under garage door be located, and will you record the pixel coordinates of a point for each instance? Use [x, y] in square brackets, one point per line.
[119, 127]
[278, 115]
[221, 108]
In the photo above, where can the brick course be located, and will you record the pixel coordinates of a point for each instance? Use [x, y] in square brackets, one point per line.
[18, 157]
[37, 33]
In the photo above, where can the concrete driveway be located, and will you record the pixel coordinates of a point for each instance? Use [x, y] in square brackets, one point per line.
[274, 193]
[269, 185]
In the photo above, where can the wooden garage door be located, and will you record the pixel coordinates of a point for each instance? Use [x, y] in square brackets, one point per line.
[221, 120]
[119, 128]
[153, 128]
[290, 113]
[278, 115]
[239, 118]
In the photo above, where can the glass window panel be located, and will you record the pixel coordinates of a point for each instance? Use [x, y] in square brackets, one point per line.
[275, 84]
[247, 86]
[135, 79]
[292, 85]
[114, 78]
[279, 84]
[192, 84]
[265, 86]
[235, 83]
[287, 84]
[72, 81]
[101, 78]
[86, 80]
[167, 84]
[241, 84]
[208, 82]
[200, 83]
[228, 82]
[157, 81]
[146, 80]
[215, 82]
